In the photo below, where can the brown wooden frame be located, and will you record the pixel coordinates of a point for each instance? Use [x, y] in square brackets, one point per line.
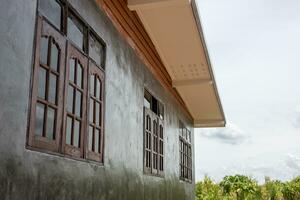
[153, 143]
[71, 150]
[97, 73]
[67, 51]
[44, 29]
[131, 28]
[185, 153]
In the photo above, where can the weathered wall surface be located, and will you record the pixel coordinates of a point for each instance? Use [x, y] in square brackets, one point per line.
[29, 175]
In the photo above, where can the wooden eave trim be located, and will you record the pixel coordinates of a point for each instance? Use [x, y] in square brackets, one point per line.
[131, 28]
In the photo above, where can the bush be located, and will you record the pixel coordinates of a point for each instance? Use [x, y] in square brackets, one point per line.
[241, 187]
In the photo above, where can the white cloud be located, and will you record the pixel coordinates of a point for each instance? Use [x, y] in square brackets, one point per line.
[296, 118]
[293, 162]
[231, 134]
[254, 52]
[257, 167]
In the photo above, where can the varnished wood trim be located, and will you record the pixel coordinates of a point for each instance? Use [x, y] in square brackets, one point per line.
[130, 27]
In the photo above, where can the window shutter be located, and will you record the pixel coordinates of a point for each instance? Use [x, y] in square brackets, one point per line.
[46, 107]
[154, 144]
[148, 116]
[75, 103]
[95, 131]
[161, 135]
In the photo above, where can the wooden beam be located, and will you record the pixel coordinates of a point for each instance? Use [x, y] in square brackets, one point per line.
[130, 27]
[191, 82]
[209, 123]
[146, 4]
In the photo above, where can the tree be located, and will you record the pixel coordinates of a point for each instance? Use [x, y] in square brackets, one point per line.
[242, 187]
[273, 189]
[291, 190]
[208, 190]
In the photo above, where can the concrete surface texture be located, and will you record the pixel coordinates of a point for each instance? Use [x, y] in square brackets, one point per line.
[28, 175]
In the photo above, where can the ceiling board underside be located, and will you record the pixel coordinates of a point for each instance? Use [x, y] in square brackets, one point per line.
[174, 32]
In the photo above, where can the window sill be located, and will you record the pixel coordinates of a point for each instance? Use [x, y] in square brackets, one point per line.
[59, 155]
[155, 175]
[186, 180]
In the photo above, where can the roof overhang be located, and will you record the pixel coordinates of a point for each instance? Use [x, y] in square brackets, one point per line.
[175, 29]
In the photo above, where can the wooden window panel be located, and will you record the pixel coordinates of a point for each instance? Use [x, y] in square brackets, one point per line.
[160, 147]
[153, 143]
[155, 146]
[46, 94]
[95, 148]
[75, 103]
[148, 133]
[185, 151]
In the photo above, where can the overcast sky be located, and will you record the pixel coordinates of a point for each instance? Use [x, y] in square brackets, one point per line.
[254, 46]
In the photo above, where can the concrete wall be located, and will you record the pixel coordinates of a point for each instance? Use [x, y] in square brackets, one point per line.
[29, 175]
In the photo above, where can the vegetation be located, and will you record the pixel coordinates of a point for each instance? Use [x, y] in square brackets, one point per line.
[241, 187]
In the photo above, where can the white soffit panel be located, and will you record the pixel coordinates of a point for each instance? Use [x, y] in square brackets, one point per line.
[175, 31]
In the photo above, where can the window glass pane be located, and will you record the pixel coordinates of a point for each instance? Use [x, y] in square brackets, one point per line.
[79, 75]
[75, 32]
[147, 99]
[154, 105]
[161, 131]
[42, 83]
[78, 103]
[44, 50]
[184, 133]
[97, 134]
[92, 82]
[39, 119]
[95, 50]
[54, 57]
[161, 110]
[72, 70]
[90, 138]
[97, 110]
[52, 88]
[50, 123]
[76, 142]
[98, 88]
[52, 11]
[91, 110]
[70, 98]
[69, 130]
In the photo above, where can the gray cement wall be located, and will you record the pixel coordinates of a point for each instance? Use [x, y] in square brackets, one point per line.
[29, 175]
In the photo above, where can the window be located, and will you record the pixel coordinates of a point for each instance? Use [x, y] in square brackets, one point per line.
[153, 136]
[68, 86]
[53, 11]
[76, 31]
[185, 151]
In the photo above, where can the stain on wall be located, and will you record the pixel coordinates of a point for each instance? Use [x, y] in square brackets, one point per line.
[32, 175]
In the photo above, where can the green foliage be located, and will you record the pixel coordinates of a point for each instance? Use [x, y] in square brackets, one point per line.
[208, 190]
[291, 190]
[241, 187]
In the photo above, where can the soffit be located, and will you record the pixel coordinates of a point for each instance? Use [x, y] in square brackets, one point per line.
[175, 30]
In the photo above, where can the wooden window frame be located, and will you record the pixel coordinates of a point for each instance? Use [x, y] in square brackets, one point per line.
[185, 154]
[67, 50]
[73, 53]
[98, 73]
[44, 29]
[153, 144]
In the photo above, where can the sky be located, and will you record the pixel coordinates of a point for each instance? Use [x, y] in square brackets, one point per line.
[254, 47]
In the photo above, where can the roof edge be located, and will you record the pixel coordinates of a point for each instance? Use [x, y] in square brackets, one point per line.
[211, 72]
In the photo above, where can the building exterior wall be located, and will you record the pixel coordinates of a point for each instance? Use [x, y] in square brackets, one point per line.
[27, 174]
